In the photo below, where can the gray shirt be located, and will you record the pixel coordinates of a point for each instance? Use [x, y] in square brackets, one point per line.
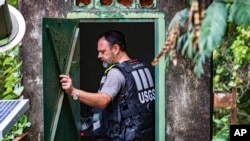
[114, 84]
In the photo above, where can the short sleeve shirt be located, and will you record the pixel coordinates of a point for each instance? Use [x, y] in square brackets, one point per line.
[114, 84]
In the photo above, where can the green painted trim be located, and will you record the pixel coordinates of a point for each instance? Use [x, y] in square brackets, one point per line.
[115, 15]
[96, 4]
[160, 121]
[159, 19]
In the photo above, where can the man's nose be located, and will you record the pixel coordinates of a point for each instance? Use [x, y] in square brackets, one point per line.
[99, 56]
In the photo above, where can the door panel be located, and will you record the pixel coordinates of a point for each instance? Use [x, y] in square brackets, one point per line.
[57, 40]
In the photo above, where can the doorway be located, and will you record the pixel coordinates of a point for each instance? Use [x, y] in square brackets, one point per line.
[140, 44]
[145, 35]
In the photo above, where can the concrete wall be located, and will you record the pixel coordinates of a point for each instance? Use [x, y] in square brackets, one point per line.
[31, 55]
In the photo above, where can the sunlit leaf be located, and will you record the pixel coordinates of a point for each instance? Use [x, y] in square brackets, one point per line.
[10, 78]
[10, 96]
[220, 139]
[232, 84]
[7, 61]
[7, 91]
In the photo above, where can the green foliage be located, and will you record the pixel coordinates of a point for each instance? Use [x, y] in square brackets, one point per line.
[10, 83]
[212, 32]
[243, 115]
[181, 17]
[18, 128]
[219, 16]
[220, 124]
[224, 35]
[240, 46]
[10, 76]
[13, 3]
[10, 86]
[213, 28]
[230, 64]
[240, 12]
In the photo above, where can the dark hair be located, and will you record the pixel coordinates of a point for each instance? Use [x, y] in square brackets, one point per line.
[115, 37]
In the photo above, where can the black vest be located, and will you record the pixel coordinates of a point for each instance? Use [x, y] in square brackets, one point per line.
[132, 116]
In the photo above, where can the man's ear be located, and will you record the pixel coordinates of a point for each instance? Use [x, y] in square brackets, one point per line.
[116, 48]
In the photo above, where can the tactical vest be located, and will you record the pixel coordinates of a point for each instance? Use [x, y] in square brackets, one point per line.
[132, 116]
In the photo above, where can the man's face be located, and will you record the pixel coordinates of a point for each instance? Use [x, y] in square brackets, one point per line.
[105, 53]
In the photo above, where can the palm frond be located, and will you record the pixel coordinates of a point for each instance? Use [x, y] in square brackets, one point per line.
[212, 31]
[240, 12]
[213, 27]
[181, 17]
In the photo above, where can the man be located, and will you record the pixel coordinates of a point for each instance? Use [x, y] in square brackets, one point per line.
[124, 103]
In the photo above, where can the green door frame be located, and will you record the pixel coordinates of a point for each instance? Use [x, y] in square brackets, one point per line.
[159, 20]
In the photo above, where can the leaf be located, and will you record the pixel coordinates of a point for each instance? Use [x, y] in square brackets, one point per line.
[9, 84]
[217, 121]
[18, 91]
[213, 27]
[10, 78]
[7, 61]
[9, 97]
[212, 31]
[219, 70]
[219, 139]
[236, 67]
[181, 41]
[28, 124]
[181, 17]
[9, 90]
[240, 12]
[19, 131]
[231, 84]
[9, 70]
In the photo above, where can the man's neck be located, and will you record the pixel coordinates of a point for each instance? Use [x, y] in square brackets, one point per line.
[122, 57]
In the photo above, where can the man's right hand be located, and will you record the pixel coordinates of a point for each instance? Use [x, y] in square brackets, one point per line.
[66, 84]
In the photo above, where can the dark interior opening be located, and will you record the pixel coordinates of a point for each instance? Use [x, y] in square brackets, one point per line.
[140, 37]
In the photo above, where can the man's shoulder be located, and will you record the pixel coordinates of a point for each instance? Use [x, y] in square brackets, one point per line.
[115, 71]
[130, 65]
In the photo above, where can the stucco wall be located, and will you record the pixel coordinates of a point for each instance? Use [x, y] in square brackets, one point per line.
[31, 55]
